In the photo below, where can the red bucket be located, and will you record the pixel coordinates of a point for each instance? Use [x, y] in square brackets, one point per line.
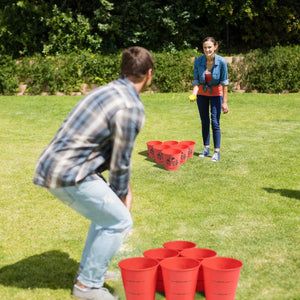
[179, 245]
[160, 254]
[199, 254]
[150, 147]
[180, 277]
[191, 145]
[158, 155]
[184, 152]
[221, 276]
[170, 143]
[139, 276]
[171, 159]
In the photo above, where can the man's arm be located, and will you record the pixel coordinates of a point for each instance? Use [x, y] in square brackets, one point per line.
[127, 124]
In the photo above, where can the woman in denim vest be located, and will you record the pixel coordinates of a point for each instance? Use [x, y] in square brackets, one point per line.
[210, 90]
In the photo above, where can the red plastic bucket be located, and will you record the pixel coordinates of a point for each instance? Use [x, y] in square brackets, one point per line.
[170, 143]
[158, 155]
[199, 254]
[160, 254]
[191, 145]
[171, 159]
[184, 152]
[139, 276]
[221, 276]
[179, 245]
[180, 277]
[150, 145]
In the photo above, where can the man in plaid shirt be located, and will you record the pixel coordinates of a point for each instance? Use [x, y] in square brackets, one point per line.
[99, 135]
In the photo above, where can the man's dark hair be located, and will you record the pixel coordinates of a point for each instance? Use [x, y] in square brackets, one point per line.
[136, 61]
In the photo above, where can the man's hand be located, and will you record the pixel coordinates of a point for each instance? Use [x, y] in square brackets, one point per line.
[127, 200]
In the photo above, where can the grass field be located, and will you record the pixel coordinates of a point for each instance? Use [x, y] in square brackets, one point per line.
[246, 206]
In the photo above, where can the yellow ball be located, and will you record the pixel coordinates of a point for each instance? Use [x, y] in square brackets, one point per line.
[192, 97]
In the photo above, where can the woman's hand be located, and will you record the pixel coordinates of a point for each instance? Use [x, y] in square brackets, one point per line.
[224, 104]
[192, 98]
[225, 108]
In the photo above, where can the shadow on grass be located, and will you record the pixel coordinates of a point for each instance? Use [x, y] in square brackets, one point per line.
[145, 153]
[52, 269]
[285, 192]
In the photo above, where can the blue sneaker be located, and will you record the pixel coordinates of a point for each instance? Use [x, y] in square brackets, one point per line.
[216, 156]
[205, 152]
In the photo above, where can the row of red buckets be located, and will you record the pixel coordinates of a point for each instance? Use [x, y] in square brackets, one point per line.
[170, 153]
[179, 269]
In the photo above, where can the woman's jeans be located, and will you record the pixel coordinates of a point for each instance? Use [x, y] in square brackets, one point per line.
[110, 222]
[215, 113]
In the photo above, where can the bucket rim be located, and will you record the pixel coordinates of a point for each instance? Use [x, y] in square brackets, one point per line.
[150, 143]
[188, 142]
[164, 263]
[172, 251]
[197, 249]
[140, 258]
[179, 241]
[170, 151]
[181, 146]
[210, 260]
[158, 146]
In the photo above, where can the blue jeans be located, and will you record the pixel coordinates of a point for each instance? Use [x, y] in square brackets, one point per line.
[215, 114]
[110, 222]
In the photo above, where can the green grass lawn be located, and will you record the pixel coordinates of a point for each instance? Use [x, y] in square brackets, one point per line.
[246, 206]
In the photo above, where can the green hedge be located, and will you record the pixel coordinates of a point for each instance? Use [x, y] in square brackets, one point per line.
[66, 73]
[8, 75]
[274, 71]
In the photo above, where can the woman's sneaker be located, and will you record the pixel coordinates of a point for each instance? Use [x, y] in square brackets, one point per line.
[205, 152]
[216, 156]
[92, 294]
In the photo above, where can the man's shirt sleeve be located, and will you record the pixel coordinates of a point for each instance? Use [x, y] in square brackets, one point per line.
[126, 124]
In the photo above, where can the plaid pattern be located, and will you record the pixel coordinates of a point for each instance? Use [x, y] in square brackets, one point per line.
[97, 135]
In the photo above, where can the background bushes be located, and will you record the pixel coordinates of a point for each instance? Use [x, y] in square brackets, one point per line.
[58, 27]
[273, 71]
[8, 75]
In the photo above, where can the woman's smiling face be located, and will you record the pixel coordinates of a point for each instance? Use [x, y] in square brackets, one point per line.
[209, 48]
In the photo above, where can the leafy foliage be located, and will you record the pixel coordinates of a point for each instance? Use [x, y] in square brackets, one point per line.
[173, 71]
[8, 79]
[273, 71]
[53, 26]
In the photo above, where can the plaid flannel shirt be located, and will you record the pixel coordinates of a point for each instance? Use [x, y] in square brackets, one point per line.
[97, 135]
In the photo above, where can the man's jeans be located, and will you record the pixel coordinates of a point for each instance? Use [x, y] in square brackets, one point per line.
[111, 221]
[215, 113]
